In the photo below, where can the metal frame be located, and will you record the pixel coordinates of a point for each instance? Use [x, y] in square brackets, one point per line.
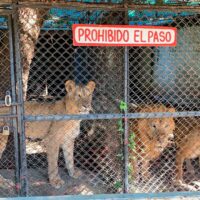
[13, 111]
[165, 195]
[109, 6]
[126, 100]
[20, 114]
[19, 118]
[110, 116]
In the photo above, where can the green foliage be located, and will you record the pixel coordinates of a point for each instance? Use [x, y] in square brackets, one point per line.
[118, 184]
[131, 141]
[123, 106]
[120, 126]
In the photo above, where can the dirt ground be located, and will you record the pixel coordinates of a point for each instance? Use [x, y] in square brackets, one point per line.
[39, 186]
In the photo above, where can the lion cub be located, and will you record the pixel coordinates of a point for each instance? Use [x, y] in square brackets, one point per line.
[188, 148]
[152, 136]
[60, 134]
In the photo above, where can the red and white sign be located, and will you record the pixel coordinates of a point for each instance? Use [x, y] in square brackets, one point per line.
[123, 35]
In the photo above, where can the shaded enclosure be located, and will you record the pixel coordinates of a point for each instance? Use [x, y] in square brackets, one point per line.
[119, 106]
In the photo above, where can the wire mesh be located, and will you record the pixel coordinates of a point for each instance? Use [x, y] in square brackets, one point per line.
[7, 149]
[97, 160]
[162, 75]
[47, 76]
[7, 159]
[64, 157]
[165, 76]
[82, 1]
[63, 79]
[5, 59]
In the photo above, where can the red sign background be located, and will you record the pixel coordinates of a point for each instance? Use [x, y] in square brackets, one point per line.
[123, 35]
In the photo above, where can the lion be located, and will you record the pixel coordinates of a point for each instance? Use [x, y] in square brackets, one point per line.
[187, 148]
[152, 136]
[60, 134]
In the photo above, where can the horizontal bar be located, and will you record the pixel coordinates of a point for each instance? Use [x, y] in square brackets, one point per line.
[164, 7]
[108, 6]
[5, 7]
[12, 104]
[80, 5]
[113, 196]
[166, 114]
[71, 117]
[109, 116]
[5, 13]
[7, 116]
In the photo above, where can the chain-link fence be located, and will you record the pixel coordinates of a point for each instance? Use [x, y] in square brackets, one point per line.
[5, 59]
[8, 171]
[8, 133]
[55, 73]
[102, 119]
[167, 76]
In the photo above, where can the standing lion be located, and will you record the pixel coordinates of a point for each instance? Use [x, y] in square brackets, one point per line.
[58, 134]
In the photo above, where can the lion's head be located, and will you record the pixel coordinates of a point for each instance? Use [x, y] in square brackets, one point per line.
[79, 97]
[156, 132]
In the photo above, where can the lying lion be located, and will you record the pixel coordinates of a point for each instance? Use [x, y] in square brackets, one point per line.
[152, 136]
[188, 148]
[60, 134]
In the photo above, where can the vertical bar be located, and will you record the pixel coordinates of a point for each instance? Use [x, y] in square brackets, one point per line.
[20, 111]
[126, 93]
[13, 92]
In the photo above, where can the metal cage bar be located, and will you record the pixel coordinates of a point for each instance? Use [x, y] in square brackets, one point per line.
[14, 111]
[20, 118]
[20, 113]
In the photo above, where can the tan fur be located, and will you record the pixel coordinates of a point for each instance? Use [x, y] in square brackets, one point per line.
[188, 148]
[60, 134]
[152, 137]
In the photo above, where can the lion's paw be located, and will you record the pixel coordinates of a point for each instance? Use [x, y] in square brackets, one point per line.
[178, 182]
[56, 182]
[77, 173]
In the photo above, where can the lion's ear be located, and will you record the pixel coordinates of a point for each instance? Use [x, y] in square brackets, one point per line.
[70, 86]
[91, 86]
[171, 110]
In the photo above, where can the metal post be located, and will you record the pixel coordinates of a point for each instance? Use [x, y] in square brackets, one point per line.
[126, 93]
[20, 111]
[14, 110]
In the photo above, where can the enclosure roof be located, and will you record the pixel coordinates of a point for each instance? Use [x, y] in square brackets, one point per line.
[62, 19]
